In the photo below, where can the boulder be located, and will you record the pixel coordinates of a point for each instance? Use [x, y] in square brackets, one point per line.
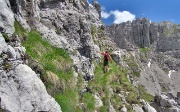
[3, 45]
[123, 109]
[21, 90]
[147, 108]
[111, 108]
[116, 56]
[166, 102]
[11, 52]
[137, 108]
[99, 103]
[6, 17]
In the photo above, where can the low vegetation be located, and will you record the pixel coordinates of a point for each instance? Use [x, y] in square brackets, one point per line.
[54, 66]
[111, 84]
[133, 66]
[143, 94]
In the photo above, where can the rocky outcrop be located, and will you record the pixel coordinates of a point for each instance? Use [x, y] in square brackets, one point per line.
[6, 17]
[147, 107]
[76, 26]
[166, 102]
[142, 33]
[160, 42]
[20, 88]
[67, 25]
[137, 108]
[97, 7]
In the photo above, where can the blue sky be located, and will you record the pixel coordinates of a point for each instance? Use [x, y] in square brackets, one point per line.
[118, 11]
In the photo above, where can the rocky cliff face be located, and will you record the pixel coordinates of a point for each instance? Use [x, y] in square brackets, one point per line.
[160, 66]
[65, 24]
[20, 87]
[76, 27]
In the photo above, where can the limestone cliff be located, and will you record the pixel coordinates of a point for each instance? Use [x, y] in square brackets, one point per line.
[65, 24]
[38, 38]
[161, 45]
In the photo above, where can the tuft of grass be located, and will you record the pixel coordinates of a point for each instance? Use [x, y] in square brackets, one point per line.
[6, 66]
[143, 94]
[89, 101]
[133, 65]
[68, 100]
[144, 52]
[20, 31]
[53, 60]
[93, 33]
[18, 28]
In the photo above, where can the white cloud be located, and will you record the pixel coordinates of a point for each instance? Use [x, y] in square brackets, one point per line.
[120, 17]
[105, 15]
[103, 8]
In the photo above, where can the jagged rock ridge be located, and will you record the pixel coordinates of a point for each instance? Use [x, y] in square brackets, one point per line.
[162, 40]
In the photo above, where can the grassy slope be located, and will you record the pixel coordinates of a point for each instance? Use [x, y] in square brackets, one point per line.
[115, 79]
[69, 94]
[55, 60]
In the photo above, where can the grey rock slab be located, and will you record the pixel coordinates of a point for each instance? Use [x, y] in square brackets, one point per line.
[6, 17]
[3, 45]
[25, 92]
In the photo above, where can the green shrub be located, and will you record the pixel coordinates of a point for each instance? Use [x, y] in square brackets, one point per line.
[6, 66]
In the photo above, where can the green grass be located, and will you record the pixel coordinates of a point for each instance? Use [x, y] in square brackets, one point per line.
[20, 31]
[143, 94]
[68, 100]
[144, 52]
[69, 94]
[115, 78]
[51, 58]
[93, 30]
[89, 101]
[57, 61]
[133, 65]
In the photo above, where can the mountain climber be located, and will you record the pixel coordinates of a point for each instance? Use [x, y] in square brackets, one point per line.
[107, 57]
